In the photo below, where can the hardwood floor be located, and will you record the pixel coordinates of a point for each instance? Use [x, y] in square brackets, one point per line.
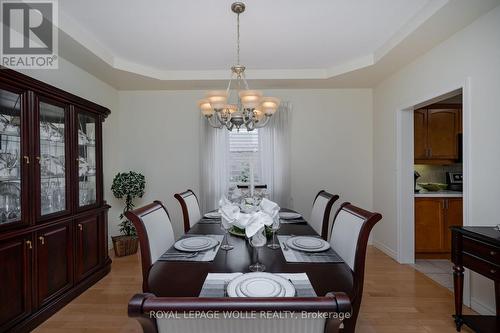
[397, 298]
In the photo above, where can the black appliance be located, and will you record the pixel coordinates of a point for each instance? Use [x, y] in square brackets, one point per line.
[460, 148]
[454, 181]
[416, 175]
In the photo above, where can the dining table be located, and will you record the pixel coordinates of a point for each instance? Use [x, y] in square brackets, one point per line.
[186, 278]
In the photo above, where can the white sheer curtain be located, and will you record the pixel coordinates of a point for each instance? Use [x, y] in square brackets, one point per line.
[274, 147]
[214, 148]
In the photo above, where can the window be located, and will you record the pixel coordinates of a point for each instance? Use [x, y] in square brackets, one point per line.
[242, 146]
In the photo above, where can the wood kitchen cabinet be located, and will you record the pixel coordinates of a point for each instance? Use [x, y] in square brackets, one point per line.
[454, 217]
[53, 237]
[433, 218]
[420, 134]
[436, 130]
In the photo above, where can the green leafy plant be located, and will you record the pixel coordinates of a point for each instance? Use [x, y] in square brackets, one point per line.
[128, 185]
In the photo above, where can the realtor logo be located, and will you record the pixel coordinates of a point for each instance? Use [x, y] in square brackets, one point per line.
[29, 34]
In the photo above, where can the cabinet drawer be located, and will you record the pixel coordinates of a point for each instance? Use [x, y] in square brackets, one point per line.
[481, 266]
[481, 250]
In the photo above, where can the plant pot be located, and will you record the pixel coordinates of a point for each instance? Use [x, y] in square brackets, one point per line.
[125, 245]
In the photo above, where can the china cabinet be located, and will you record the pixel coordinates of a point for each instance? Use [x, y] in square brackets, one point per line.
[53, 218]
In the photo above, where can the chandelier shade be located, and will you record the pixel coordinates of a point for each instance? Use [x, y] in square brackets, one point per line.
[248, 108]
[250, 99]
[205, 107]
[217, 98]
[270, 105]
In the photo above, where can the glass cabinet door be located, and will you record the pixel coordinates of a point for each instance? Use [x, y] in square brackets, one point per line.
[10, 157]
[52, 158]
[87, 159]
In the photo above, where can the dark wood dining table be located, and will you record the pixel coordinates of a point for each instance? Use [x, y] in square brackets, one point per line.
[185, 279]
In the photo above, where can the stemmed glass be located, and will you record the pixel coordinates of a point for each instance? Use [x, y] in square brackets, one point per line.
[274, 228]
[257, 241]
[225, 244]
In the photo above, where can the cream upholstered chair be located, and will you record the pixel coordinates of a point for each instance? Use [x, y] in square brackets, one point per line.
[320, 214]
[155, 233]
[349, 238]
[190, 208]
[144, 307]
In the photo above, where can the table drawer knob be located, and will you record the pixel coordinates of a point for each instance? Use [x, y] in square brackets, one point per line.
[493, 271]
[492, 253]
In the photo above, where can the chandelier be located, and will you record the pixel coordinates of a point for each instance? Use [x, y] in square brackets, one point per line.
[250, 108]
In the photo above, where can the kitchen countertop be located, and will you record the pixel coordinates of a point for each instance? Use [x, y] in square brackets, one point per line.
[438, 194]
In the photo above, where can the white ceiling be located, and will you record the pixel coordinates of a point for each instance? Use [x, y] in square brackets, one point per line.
[190, 44]
[277, 34]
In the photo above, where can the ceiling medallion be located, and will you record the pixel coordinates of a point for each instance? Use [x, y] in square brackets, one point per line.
[250, 109]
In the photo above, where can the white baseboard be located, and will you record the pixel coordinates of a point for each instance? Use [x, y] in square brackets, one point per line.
[481, 308]
[382, 247]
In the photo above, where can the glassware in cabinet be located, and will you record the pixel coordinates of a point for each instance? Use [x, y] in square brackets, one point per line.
[87, 159]
[10, 156]
[52, 158]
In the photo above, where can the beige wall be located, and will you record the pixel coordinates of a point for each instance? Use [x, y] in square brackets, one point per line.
[471, 53]
[331, 131]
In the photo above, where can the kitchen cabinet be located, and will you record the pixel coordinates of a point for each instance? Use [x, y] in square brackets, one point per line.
[53, 238]
[454, 217]
[420, 134]
[436, 130]
[433, 218]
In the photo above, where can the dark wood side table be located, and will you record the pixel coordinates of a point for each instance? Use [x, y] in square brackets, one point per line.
[476, 248]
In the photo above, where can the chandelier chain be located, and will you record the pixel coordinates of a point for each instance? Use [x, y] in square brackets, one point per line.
[238, 39]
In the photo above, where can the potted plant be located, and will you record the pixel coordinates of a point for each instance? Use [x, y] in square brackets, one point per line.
[128, 185]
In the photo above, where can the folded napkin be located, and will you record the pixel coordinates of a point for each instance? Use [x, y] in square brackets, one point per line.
[269, 207]
[254, 222]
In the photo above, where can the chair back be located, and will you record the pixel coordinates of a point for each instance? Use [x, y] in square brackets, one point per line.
[320, 214]
[190, 208]
[148, 310]
[349, 238]
[155, 233]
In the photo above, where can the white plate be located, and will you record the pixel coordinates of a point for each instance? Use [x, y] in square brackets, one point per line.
[195, 244]
[310, 241]
[212, 215]
[289, 215]
[260, 285]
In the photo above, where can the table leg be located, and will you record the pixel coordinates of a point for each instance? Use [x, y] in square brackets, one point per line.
[458, 284]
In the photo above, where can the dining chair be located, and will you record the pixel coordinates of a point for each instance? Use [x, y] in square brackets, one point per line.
[150, 312]
[320, 214]
[190, 208]
[154, 229]
[349, 238]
